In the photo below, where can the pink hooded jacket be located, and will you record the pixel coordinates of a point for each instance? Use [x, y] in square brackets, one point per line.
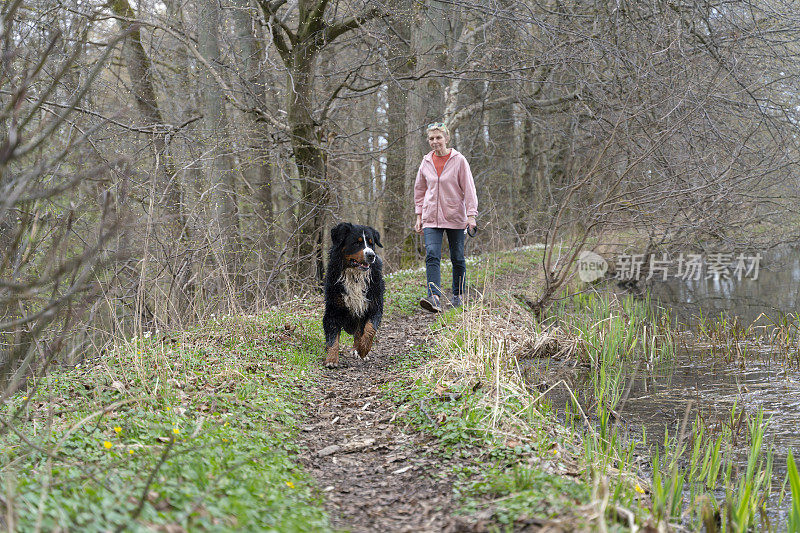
[445, 201]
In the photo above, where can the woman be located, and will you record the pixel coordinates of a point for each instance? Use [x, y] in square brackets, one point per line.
[444, 202]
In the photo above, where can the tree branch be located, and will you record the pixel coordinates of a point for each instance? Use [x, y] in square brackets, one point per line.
[270, 10]
[332, 32]
[315, 21]
[275, 4]
[457, 118]
[260, 114]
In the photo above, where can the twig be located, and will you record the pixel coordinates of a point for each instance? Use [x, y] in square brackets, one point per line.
[147, 485]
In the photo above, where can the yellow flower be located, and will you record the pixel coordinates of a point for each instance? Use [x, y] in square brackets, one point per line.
[176, 430]
[638, 489]
[224, 440]
[168, 408]
[290, 484]
[24, 397]
[107, 445]
[130, 452]
[118, 429]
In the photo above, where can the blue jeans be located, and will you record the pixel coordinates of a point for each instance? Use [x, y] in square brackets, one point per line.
[433, 259]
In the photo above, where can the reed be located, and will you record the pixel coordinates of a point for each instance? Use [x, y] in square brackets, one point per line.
[691, 469]
[745, 500]
[793, 521]
[730, 341]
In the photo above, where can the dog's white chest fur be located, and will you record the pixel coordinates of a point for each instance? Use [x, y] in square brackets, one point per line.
[355, 290]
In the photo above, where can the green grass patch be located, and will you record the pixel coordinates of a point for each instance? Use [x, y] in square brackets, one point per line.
[521, 492]
[403, 291]
[195, 430]
[492, 473]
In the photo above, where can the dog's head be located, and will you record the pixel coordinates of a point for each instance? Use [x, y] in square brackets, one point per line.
[356, 244]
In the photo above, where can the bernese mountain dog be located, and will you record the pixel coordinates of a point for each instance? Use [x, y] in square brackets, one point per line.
[353, 289]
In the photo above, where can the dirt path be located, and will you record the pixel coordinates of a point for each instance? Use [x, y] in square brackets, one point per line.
[374, 476]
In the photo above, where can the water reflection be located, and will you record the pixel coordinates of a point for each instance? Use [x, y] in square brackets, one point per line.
[776, 291]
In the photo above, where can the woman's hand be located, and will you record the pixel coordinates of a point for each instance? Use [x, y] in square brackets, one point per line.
[471, 224]
[418, 224]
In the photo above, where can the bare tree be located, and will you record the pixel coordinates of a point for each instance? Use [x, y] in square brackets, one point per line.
[299, 36]
[250, 125]
[396, 195]
[675, 138]
[171, 214]
[220, 175]
[52, 243]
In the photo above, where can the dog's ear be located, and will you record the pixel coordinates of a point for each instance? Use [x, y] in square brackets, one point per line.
[377, 236]
[338, 233]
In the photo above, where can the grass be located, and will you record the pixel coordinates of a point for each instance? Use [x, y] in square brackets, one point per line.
[793, 521]
[194, 431]
[406, 287]
[469, 394]
[505, 477]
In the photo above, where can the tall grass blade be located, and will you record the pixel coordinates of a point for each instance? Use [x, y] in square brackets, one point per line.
[793, 522]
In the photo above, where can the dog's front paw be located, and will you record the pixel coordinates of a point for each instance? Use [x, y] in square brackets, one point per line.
[332, 359]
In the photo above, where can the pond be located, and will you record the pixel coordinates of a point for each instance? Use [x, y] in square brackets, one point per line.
[711, 377]
[760, 379]
[708, 380]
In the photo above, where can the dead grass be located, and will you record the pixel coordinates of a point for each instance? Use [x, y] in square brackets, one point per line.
[481, 347]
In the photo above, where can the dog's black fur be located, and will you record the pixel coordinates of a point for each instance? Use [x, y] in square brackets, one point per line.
[353, 289]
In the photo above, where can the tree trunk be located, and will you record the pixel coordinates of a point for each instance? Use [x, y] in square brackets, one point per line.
[254, 83]
[299, 50]
[398, 204]
[529, 202]
[168, 187]
[220, 175]
[310, 160]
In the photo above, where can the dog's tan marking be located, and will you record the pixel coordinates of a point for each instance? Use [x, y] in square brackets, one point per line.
[363, 344]
[332, 359]
[358, 256]
[355, 290]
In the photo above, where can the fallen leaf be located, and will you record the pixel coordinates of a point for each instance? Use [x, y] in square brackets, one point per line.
[356, 445]
[328, 450]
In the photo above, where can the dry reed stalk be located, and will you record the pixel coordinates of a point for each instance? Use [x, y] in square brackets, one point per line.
[482, 346]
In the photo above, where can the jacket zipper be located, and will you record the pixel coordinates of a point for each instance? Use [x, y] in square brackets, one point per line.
[438, 207]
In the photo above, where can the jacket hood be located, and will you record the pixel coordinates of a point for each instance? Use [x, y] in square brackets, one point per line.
[429, 155]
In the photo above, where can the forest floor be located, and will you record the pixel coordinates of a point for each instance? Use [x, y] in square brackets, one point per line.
[236, 425]
[378, 471]
[375, 475]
